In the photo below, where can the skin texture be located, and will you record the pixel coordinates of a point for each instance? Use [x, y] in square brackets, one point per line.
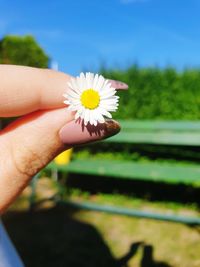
[44, 129]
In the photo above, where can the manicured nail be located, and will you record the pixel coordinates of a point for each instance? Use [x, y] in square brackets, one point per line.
[118, 84]
[75, 133]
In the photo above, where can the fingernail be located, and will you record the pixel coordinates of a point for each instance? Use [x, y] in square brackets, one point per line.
[118, 84]
[75, 133]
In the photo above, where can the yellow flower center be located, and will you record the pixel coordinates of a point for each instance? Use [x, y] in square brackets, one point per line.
[90, 99]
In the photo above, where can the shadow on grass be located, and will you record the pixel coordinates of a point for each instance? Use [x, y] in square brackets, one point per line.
[153, 191]
[52, 237]
[148, 260]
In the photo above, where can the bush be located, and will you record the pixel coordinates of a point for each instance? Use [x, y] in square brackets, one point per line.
[22, 50]
[158, 94]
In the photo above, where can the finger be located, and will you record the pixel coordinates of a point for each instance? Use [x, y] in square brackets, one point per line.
[34, 140]
[118, 85]
[77, 133]
[24, 89]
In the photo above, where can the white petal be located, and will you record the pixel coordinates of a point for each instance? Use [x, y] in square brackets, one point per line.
[89, 79]
[101, 119]
[91, 120]
[100, 83]
[112, 98]
[70, 85]
[94, 114]
[82, 114]
[110, 104]
[65, 95]
[107, 82]
[98, 116]
[87, 115]
[107, 106]
[112, 109]
[75, 102]
[91, 115]
[80, 110]
[96, 78]
[79, 83]
[72, 94]
[107, 94]
[105, 112]
[105, 103]
[77, 115]
[107, 87]
[67, 102]
[108, 101]
[72, 108]
[83, 82]
[82, 75]
[75, 86]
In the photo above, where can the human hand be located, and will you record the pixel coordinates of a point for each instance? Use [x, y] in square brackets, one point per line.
[44, 127]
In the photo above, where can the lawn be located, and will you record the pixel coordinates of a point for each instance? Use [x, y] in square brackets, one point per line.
[56, 235]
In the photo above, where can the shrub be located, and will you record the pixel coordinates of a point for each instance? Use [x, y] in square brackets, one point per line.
[22, 50]
[158, 94]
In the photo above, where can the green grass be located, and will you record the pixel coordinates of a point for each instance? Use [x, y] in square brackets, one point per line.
[110, 154]
[61, 236]
[132, 202]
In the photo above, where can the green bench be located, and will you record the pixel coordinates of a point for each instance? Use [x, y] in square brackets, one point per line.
[184, 134]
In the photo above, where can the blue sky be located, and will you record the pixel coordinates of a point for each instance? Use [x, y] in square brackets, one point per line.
[85, 34]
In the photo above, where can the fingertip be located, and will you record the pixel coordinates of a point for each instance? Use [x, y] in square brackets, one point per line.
[76, 133]
[119, 85]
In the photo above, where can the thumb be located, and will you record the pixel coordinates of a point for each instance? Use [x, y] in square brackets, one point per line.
[33, 141]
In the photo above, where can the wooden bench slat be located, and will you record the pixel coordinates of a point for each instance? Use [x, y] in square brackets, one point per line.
[160, 138]
[158, 172]
[151, 125]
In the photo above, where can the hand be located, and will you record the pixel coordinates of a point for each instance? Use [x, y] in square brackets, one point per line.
[44, 127]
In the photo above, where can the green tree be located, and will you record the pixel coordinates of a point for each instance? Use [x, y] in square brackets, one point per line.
[22, 50]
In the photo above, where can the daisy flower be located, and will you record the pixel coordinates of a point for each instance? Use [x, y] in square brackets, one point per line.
[92, 97]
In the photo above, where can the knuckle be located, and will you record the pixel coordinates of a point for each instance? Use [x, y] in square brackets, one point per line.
[26, 161]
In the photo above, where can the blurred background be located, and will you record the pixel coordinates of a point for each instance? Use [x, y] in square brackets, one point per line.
[153, 46]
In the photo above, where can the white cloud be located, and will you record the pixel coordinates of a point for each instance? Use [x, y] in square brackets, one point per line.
[126, 2]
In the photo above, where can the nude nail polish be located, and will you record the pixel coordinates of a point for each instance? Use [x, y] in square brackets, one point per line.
[118, 84]
[76, 133]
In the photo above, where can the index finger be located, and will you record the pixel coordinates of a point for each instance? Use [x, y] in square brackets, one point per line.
[26, 89]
